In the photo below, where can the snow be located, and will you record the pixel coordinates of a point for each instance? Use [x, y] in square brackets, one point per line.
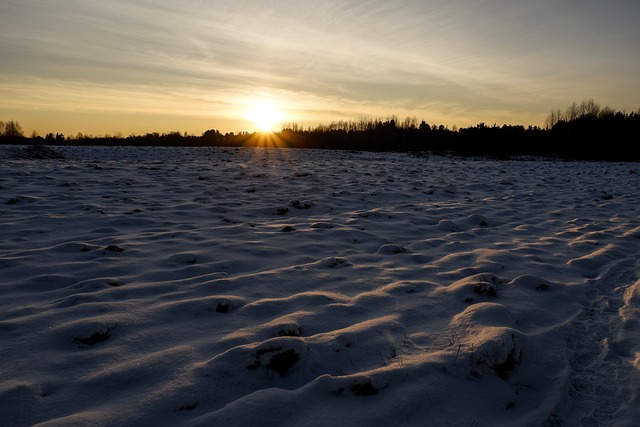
[280, 287]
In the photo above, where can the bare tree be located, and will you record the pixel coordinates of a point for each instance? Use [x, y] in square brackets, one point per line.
[12, 129]
[572, 112]
[409, 122]
[589, 108]
[553, 118]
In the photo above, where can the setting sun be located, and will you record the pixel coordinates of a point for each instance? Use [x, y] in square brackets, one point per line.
[265, 115]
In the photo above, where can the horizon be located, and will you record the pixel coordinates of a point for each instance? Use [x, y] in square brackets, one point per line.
[139, 67]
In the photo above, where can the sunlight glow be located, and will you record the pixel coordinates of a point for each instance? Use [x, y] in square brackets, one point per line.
[265, 114]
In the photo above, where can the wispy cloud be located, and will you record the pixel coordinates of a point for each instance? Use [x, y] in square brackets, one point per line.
[472, 58]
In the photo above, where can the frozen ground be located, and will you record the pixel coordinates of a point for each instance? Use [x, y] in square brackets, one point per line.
[199, 287]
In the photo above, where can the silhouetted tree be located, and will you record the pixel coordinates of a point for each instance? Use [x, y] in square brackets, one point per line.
[12, 129]
[567, 134]
[572, 132]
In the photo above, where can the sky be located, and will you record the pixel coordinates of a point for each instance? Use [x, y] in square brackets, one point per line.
[136, 66]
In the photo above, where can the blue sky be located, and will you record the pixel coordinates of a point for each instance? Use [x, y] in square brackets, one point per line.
[138, 66]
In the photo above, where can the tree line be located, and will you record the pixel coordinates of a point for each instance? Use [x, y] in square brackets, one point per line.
[583, 131]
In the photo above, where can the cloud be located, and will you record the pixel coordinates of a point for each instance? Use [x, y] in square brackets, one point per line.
[482, 56]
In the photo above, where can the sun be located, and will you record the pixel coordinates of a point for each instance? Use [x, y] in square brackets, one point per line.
[265, 114]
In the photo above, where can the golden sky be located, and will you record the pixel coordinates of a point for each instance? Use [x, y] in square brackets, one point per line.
[137, 66]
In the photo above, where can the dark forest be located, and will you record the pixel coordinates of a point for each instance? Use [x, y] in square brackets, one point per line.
[582, 131]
